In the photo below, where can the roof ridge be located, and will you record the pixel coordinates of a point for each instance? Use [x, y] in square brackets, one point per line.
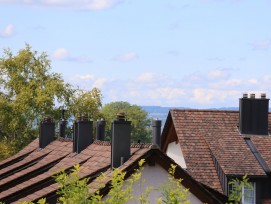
[203, 110]
[133, 145]
[62, 139]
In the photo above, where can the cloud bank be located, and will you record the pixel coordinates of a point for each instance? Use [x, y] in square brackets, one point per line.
[217, 88]
[78, 4]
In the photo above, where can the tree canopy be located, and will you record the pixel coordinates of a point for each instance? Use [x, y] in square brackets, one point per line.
[29, 90]
[140, 122]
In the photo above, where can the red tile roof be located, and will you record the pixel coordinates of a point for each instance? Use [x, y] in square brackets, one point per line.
[208, 134]
[27, 176]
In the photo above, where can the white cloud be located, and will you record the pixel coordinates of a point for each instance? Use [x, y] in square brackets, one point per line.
[98, 83]
[78, 4]
[129, 56]
[218, 73]
[253, 81]
[7, 31]
[85, 77]
[208, 96]
[100, 4]
[225, 84]
[61, 54]
[261, 45]
[146, 77]
[64, 54]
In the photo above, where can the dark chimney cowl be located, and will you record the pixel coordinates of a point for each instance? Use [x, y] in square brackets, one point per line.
[46, 132]
[253, 115]
[62, 125]
[100, 129]
[156, 132]
[82, 133]
[120, 141]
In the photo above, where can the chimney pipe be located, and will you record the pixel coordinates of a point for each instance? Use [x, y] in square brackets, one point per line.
[156, 132]
[46, 132]
[253, 115]
[245, 95]
[100, 129]
[62, 125]
[263, 95]
[252, 95]
[82, 133]
[121, 140]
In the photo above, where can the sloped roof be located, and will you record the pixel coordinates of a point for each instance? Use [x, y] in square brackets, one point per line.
[208, 135]
[27, 176]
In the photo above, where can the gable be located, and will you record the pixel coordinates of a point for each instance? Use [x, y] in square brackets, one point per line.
[213, 146]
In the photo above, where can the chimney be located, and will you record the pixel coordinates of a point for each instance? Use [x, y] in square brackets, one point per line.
[121, 140]
[82, 133]
[100, 129]
[156, 132]
[62, 125]
[253, 115]
[47, 132]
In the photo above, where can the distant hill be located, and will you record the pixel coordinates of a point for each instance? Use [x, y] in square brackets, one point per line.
[159, 112]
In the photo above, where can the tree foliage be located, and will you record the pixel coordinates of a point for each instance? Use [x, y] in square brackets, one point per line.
[75, 190]
[236, 193]
[86, 102]
[29, 90]
[173, 191]
[140, 122]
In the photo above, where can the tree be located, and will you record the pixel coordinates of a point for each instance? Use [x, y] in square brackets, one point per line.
[86, 102]
[140, 122]
[29, 91]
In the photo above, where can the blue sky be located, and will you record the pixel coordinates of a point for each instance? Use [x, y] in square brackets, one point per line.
[178, 53]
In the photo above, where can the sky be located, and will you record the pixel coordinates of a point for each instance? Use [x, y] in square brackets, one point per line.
[172, 53]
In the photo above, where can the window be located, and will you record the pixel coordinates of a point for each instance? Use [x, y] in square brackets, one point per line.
[248, 194]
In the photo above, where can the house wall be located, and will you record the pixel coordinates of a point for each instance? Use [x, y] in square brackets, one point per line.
[154, 176]
[174, 151]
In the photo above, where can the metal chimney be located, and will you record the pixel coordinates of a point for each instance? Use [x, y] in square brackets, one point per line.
[46, 132]
[82, 133]
[121, 140]
[253, 115]
[156, 132]
[62, 125]
[100, 129]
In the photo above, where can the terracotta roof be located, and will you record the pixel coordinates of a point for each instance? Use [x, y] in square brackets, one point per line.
[27, 176]
[208, 135]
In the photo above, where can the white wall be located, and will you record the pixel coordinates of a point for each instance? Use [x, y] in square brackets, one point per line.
[174, 151]
[154, 176]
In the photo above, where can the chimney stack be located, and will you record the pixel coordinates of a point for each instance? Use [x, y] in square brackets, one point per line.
[82, 133]
[100, 129]
[253, 115]
[121, 140]
[156, 132]
[47, 132]
[62, 125]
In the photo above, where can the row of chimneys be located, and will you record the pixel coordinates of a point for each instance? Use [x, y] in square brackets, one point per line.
[83, 135]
